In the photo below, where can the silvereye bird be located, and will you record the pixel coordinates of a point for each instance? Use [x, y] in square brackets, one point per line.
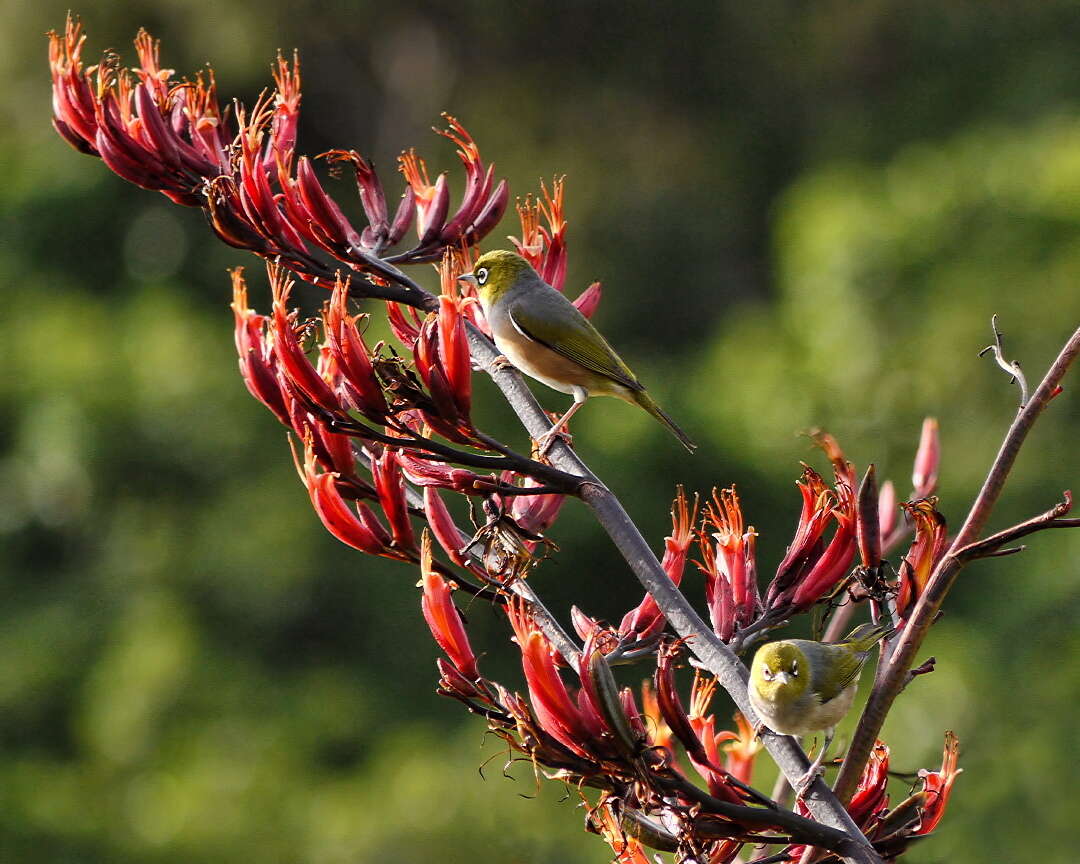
[544, 335]
[798, 686]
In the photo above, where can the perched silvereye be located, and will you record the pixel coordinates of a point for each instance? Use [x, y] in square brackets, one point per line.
[798, 686]
[544, 335]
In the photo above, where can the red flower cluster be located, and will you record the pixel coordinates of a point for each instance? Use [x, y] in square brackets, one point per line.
[259, 196]
[892, 830]
[385, 431]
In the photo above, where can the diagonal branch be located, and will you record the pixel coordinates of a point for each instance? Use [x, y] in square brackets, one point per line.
[893, 677]
[991, 546]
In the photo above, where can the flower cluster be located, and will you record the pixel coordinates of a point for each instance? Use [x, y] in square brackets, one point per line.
[260, 195]
[382, 432]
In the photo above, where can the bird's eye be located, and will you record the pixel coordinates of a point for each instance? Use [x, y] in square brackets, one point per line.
[481, 275]
[766, 673]
[795, 668]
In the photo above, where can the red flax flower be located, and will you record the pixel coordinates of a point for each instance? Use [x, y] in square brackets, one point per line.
[357, 526]
[444, 365]
[704, 726]
[729, 567]
[442, 616]
[926, 550]
[390, 488]
[293, 363]
[937, 785]
[545, 246]
[361, 389]
[258, 366]
[810, 569]
[741, 748]
[646, 620]
[870, 803]
[924, 476]
[555, 710]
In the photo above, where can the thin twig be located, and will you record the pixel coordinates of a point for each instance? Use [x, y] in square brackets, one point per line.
[1013, 369]
[895, 675]
[991, 546]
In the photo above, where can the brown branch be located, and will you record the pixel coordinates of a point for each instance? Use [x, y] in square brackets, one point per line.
[895, 675]
[801, 829]
[991, 546]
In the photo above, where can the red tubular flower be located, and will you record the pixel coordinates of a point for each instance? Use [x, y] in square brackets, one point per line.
[704, 726]
[357, 528]
[926, 550]
[729, 567]
[256, 356]
[870, 799]
[443, 618]
[390, 488]
[445, 529]
[589, 299]
[671, 707]
[556, 712]
[257, 198]
[444, 365]
[835, 561]
[380, 234]
[741, 750]
[818, 504]
[924, 476]
[286, 105]
[361, 386]
[887, 509]
[139, 130]
[405, 329]
[937, 785]
[870, 802]
[292, 360]
[73, 99]
[544, 247]
[533, 513]
[432, 200]
[646, 620]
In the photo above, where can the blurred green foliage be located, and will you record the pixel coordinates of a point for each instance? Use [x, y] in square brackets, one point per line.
[804, 215]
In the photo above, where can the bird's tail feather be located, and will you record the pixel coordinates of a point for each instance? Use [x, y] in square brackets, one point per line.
[646, 401]
[863, 637]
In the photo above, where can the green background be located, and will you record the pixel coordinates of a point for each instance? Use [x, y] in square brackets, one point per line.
[803, 215]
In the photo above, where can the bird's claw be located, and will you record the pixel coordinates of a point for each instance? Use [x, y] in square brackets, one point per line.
[802, 786]
[545, 442]
[501, 362]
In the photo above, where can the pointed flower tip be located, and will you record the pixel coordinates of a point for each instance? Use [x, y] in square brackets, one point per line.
[924, 475]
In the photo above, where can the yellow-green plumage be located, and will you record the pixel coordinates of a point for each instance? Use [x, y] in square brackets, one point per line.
[798, 686]
[546, 337]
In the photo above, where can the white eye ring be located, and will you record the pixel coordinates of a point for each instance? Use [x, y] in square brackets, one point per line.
[795, 669]
[766, 674]
[482, 275]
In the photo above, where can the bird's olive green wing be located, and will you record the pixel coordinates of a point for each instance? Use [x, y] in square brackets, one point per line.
[843, 667]
[560, 327]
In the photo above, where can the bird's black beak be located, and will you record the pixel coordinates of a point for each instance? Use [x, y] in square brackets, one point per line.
[467, 277]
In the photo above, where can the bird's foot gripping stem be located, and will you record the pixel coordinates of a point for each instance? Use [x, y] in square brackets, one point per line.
[545, 442]
[542, 444]
[815, 770]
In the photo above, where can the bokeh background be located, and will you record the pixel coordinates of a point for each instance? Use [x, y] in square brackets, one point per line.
[803, 214]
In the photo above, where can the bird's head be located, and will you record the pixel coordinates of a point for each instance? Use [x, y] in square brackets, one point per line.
[495, 273]
[780, 672]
